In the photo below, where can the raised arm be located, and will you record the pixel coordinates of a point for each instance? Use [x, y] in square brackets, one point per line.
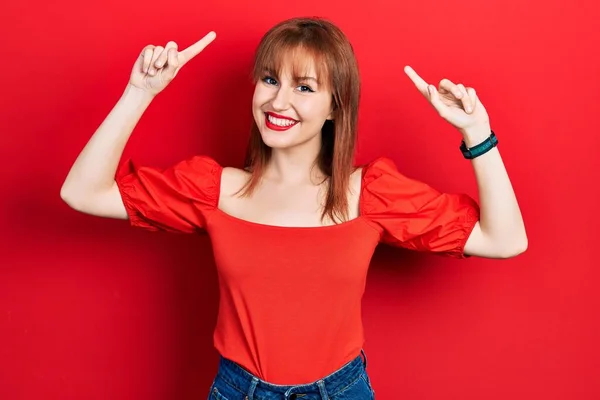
[500, 232]
[90, 185]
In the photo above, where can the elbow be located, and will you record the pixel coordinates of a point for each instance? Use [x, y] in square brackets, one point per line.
[70, 198]
[67, 196]
[516, 248]
[64, 193]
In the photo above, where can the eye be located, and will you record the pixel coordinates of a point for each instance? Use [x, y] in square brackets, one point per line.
[305, 89]
[269, 81]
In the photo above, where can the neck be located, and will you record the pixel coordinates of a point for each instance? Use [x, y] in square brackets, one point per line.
[295, 165]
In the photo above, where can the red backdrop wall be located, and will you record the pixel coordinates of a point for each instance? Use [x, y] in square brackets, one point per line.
[93, 309]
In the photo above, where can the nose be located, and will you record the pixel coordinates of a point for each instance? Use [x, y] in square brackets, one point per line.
[282, 99]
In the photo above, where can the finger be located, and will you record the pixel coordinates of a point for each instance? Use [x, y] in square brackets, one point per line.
[436, 102]
[448, 86]
[172, 63]
[195, 49]
[474, 98]
[417, 80]
[466, 100]
[157, 52]
[162, 59]
[147, 54]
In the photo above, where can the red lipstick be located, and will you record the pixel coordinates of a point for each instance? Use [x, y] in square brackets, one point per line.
[278, 127]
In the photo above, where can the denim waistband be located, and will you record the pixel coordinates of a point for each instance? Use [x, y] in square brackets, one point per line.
[238, 377]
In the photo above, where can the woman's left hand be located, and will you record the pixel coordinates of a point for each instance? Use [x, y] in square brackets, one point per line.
[457, 104]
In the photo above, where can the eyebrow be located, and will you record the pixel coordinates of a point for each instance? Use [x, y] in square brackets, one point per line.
[297, 78]
[306, 78]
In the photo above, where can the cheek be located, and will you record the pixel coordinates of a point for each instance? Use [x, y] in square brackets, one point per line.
[316, 110]
[256, 98]
[257, 104]
[261, 95]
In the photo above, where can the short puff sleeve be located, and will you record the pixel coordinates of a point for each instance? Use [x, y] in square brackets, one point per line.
[174, 199]
[413, 215]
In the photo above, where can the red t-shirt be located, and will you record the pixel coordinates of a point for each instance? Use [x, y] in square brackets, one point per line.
[290, 297]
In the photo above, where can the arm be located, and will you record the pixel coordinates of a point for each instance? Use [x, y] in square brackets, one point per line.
[500, 232]
[90, 185]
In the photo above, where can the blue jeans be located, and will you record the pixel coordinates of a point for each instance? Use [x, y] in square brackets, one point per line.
[350, 382]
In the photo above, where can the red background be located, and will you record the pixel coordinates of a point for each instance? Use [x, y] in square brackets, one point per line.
[93, 309]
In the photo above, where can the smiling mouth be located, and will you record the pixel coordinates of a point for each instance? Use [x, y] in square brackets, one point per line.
[278, 124]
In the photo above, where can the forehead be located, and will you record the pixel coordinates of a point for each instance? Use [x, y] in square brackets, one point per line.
[297, 62]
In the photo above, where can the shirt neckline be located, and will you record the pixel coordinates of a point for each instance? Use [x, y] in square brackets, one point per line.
[283, 227]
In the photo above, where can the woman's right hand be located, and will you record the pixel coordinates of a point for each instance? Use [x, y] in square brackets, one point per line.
[156, 66]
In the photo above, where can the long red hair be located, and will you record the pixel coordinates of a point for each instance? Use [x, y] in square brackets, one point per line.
[337, 69]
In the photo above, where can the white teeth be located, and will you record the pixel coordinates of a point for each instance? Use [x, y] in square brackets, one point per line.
[280, 121]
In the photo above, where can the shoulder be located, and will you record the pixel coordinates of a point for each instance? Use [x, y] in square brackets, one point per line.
[232, 180]
[382, 186]
[197, 166]
[356, 180]
[363, 174]
[366, 173]
[378, 166]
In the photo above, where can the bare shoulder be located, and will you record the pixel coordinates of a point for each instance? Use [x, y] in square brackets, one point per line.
[354, 192]
[356, 181]
[232, 180]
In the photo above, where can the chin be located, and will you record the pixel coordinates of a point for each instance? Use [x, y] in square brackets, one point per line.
[276, 140]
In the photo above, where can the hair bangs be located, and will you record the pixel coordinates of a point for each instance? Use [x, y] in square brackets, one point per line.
[299, 59]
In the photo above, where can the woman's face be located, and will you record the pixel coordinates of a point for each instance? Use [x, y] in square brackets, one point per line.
[290, 111]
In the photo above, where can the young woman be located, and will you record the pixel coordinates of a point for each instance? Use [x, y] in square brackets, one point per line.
[293, 233]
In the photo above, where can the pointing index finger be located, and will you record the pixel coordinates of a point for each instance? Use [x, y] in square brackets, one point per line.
[195, 49]
[417, 80]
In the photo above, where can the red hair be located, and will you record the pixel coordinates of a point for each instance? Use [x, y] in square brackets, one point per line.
[337, 69]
